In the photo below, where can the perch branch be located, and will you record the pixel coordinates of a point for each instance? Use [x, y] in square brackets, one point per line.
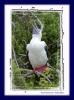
[31, 72]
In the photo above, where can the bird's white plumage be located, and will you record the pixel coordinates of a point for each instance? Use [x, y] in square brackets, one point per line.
[37, 54]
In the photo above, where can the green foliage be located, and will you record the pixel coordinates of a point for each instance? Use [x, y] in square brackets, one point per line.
[22, 30]
[19, 81]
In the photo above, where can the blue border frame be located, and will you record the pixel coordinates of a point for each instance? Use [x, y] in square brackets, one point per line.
[2, 47]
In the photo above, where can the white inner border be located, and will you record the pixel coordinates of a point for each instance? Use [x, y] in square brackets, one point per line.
[8, 46]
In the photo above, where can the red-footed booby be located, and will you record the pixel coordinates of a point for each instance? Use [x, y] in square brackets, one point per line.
[36, 49]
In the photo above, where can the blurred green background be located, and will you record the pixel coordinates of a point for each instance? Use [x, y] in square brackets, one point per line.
[21, 35]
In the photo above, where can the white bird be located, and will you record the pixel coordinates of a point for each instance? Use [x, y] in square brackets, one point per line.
[36, 48]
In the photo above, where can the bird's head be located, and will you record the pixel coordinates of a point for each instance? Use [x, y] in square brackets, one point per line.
[37, 32]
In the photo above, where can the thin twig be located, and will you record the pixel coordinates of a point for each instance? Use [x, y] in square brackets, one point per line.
[28, 70]
[28, 74]
[24, 42]
[26, 63]
[22, 55]
[14, 54]
[44, 76]
[54, 43]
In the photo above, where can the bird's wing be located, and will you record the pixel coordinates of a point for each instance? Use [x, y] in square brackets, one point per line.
[45, 47]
